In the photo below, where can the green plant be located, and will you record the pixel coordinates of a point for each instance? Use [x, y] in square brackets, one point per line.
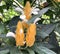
[43, 31]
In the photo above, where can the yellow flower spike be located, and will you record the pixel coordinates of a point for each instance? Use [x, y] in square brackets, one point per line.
[30, 36]
[27, 10]
[19, 35]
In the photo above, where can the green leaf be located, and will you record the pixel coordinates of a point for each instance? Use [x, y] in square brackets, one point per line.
[38, 15]
[42, 50]
[42, 34]
[2, 29]
[14, 50]
[57, 30]
[46, 50]
[46, 45]
[30, 51]
[4, 51]
[2, 35]
[9, 41]
[37, 50]
[44, 30]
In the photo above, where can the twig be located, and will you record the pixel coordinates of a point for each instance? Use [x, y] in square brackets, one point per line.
[18, 4]
[33, 3]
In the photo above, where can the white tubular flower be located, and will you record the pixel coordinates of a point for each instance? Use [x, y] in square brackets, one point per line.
[35, 10]
[37, 19]
[57, 33]
[10, 34]
[1, 4]
[23, 17]
[37, 2]
[18, 9]
[0, 14]
[4, 10]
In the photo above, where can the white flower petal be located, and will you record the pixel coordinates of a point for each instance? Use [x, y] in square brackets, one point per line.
[10, 34]
[1, 4]
[36, 9]
[37, 19]
[18, 9]
[4, 10]
[36, 23]
[37, 2]
[57, 33]
[22, 17]
[25, 20]
[35, 13]
[0, 14]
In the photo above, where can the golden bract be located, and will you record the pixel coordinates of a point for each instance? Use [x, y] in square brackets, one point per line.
[19, 35]
[27, 10]
[30, 36]
[27, 13]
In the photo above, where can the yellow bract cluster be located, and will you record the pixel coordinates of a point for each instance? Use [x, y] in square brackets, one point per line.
[29, 39]
[30, 35]
[27, 13]
[27, 10]
[19, 35]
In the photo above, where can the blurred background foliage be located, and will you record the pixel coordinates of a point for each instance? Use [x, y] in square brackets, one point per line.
[48, 25]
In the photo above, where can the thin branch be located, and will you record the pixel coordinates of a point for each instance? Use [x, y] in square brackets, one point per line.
[18, 4]
[33, 3]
